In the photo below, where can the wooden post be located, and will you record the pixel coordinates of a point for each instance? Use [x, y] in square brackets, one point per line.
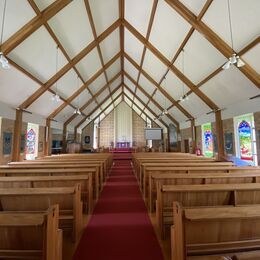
[193, 135]
[47, 137]
[64, 138]
[17, 135]
[220, 135]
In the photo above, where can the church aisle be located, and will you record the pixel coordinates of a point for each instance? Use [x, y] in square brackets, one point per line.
[120, 227]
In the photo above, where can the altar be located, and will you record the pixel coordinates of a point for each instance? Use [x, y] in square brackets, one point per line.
[123, 145]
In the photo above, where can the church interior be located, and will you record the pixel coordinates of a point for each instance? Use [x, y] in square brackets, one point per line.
[130, 129]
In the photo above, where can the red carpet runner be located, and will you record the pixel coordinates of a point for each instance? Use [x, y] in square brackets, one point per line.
[120, 228]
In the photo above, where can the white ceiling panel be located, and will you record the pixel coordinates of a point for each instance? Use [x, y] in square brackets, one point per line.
[90, 107]
[15, 87]
[139, 104]
[42, 4]
[128, 101]
[136, 109]
[37, 54]
[174, 86]
[244, 18]
[194, 6]
[129, 84]
[89, 65]
[99, 83]
[133, 47]
[113, 69]
[118, 101]
[167, 120]
[143, 116]
[142, 96]
[103, 95]
[110, 46]
[106, 103]
[68, 84]
[154, 108]
[229, 87]
[177, 114]
[117, 93]
[96, 113]
[130, 69]
[115, 83]
[72, 27]
[104, 13]
[252, 58]
[76, 121]
[195, 106]
[153, 66]
[15, 20]
[44, 105]
[109, 109]
[129, 94]
[175, 28]
[65, 114]
[82, 99]
[197, 64]
[138, 14]
[162, 100]
[146, 85]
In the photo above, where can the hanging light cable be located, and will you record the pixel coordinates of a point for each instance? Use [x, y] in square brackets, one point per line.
[234, 59]
[3, 60]
[165, 111]
[184, 96]
[77, 110]
[56, 96]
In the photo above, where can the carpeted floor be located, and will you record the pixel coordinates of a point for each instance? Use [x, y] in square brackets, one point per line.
[120, 228]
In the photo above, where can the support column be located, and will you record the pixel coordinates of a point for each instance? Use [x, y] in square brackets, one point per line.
[47, 137]
[193, 135]
[17, 135]
[220, 135]
[64, 139]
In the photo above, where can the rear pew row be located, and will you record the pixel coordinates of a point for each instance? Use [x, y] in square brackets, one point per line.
[217, 230]
[31, 236]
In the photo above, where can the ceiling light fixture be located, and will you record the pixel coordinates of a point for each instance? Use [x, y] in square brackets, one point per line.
[3, 60]
[55, 97]
[184, 97]
[234, 59]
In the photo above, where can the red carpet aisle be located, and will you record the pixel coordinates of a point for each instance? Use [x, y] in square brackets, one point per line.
[120, 228]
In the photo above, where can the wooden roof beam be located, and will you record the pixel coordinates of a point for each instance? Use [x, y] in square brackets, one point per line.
[164, 92]
[97, 107]
[84, 86]
[149, 96]
[33, 25]
[68, 66]
[141, 101]
[91, 100]
[213, 38]
[121, 5]
[174, 69]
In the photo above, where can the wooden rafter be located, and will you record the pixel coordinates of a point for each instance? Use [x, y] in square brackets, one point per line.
[33, 25]
[174, 69]
[141, 101]
[122, 35]
[90, 100]
[82, 88]
[149, 96]
[68, 66]
[149, 29]
[213, 38]
[97, 107]
[164, 92]
[54, 37]
[93, 28]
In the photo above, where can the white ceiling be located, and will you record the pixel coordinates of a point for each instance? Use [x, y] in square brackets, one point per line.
[36, 57]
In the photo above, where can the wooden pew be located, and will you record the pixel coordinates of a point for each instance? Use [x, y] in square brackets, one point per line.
[54, 181]
[207, 195]
[214, 230]
[31, 236]
[39, 199]
[156, 180]
[54, 171]
[195, 170]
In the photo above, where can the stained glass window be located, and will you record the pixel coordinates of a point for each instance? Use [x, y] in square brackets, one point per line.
[245, 140]
[207, 140]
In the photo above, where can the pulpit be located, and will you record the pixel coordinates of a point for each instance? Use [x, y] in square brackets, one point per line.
[123, 145]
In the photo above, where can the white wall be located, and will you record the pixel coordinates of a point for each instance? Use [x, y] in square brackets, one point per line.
[123, 123]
